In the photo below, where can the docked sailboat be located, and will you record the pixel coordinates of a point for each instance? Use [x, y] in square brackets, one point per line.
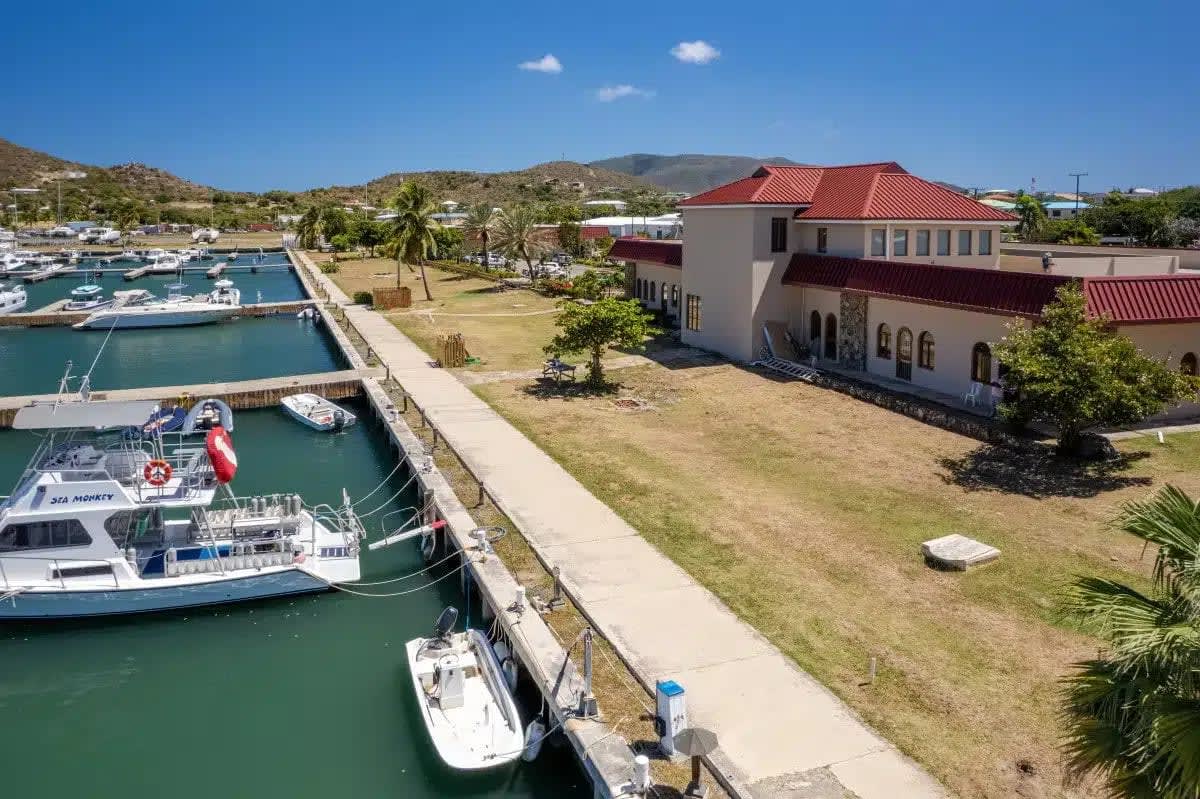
[138, 308]
[102, 522]
[317, 412]
[464, 699]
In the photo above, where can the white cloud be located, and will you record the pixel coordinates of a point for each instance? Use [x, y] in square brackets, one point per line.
[546, 63]
[607, 94]
[697, 52]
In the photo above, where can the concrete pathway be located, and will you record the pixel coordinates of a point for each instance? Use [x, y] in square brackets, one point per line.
[782, 734]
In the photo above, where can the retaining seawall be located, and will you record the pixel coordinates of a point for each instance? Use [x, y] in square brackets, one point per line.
[240, 395]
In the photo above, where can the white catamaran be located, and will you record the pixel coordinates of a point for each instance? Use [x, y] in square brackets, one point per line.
[107, 519]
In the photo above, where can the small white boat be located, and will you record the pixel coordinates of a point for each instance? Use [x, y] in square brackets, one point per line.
[129, 255]
[87, 297]
[464, 700]
[139, 308]
[12, 299]
[317, 412]
[233, 256]
[10, 262]
[153, 256]
[224, 293]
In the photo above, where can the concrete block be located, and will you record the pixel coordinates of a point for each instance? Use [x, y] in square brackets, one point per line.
[957, 552]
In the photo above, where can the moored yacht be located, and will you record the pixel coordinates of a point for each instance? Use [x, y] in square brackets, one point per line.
[11, 262]
[12, 298]
[139, 308]
[104, 521]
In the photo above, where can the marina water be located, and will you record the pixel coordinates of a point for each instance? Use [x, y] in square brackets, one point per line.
[305, 697]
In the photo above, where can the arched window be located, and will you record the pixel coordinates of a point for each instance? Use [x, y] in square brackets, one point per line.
[651, 291]
[981, 363]
[675, 294]
[814, 326]
[831, 337]
[883, 342]
[904, 353]
[925, 350]
[639, 288]
[662, 295]
[1187, 364]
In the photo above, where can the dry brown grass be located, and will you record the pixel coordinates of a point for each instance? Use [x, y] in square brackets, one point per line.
[804, 509]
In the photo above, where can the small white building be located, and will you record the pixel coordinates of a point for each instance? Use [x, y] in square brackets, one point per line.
[667, 226]
[618, 205]
[1065, 209]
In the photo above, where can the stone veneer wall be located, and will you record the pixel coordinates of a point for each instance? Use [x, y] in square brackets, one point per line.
[852, 331]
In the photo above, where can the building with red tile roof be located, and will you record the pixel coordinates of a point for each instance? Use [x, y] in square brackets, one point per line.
[873, 269]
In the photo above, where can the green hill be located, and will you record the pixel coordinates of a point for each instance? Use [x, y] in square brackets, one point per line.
[691, 173]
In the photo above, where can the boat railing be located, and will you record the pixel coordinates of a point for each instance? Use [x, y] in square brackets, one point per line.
[53, 562]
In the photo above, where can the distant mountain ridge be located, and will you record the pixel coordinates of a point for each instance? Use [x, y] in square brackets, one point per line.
[689, 172]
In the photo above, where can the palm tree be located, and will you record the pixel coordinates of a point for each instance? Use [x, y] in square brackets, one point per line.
[320, 222]
[412, 231]
[518, 236]
[1030, 215]
[1133, 712]
[480, 221]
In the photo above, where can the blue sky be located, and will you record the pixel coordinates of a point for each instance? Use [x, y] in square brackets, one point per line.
[293, 95]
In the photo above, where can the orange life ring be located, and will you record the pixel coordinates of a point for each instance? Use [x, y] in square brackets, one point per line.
[157, 472]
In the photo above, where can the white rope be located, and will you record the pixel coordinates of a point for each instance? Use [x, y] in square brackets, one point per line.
[639, 697]
[395, 594]
[453, 554]
[399, 463]
[387, 501]
[529, 745]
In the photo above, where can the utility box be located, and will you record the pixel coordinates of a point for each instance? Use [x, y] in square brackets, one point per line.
[671, 714]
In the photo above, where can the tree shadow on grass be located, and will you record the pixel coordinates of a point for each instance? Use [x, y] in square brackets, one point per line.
[1037, 472]
[544, 388]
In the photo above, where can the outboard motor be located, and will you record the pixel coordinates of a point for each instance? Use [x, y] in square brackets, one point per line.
[445, 622]
[339, 419]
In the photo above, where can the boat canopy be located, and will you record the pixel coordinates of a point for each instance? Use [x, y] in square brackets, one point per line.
[99, 415]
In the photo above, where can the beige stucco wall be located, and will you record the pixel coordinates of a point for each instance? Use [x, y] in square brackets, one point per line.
[845, 241]
[717, 258]
[955, 333]
[1117, 265]
[660, 275]
[1168, 342]
[807, 299]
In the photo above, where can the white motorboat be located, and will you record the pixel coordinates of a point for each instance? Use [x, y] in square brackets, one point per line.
[209, 235]
[190, 254]
[12, 298]
[224, 293]
[153, 256]
[464, 699]
[87, 297]
[139, 308]
[10, 262]
[109, 520]
[233, 256]
[129, 255]
[317, 412]
[43, 260]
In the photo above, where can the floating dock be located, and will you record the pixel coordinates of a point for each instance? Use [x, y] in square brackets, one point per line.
[240, 395]
[216, 270]
[48, 272]
[51, 318]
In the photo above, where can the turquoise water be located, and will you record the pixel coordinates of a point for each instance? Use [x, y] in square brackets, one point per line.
[32, 359]
[275, 283]
[293, 698]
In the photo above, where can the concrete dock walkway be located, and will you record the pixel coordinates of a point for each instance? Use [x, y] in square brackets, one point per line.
[239, 394]
[782, 733]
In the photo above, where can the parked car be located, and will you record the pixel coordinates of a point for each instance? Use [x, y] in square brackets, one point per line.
[563, 258]
[494, 260]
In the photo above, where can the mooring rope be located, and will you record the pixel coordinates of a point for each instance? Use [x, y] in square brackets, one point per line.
[408, 576]
[340, 587]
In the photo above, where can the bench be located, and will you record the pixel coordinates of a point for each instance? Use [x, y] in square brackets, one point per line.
[557, 369]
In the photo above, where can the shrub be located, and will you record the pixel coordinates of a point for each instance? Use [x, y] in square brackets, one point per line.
[330, 268]
[589, 285]
[555, 287]
[342, 242]
[363, 298]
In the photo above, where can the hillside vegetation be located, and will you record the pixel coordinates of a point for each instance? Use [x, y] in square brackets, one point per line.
[692, 173]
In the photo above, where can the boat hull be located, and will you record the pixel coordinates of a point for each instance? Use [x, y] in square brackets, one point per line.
[16, 307]
[65, 604]
[307, 421]
[174, 319]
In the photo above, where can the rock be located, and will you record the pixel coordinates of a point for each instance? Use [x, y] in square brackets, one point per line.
[957, 552]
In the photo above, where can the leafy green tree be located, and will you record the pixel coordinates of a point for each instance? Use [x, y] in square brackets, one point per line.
[1075, 373]
[570, 238]
[479, 224]
[448, 242]
[343, 242]
[320, 222]
[1069, 231]
[1030, 215]
[1132, 713]
[371, 234]
[412, 236]
[596, 327]
[590, 285]
[518, 236]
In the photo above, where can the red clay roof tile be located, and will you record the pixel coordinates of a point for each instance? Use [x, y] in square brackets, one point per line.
[633, 248]
[1144, 300]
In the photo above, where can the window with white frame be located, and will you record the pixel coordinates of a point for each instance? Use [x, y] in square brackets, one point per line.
[964, 242]
[878, 241]
[922, 242]
[899, 242]
[822, 239]
[985, 242]
[943, 242]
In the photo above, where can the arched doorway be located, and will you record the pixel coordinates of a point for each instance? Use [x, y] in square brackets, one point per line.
[981, 363]
[904, 354]
[831, 337]
[814, 332]
[1187, 364]
[662, 297]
